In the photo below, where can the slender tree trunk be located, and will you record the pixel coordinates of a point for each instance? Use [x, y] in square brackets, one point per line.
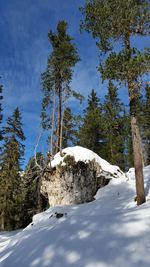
[38, 200]
[2, 226]
[111, 149]
[137, 151]
[59, 118]
[2, 221]
[53, 119]
[62, 119]
[136, 140]
[61, 131]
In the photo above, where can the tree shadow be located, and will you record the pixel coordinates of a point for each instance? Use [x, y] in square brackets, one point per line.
[102, 233]
[147, 188]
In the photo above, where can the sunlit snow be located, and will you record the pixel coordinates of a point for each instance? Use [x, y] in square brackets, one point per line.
[85, 155]
[108, 232]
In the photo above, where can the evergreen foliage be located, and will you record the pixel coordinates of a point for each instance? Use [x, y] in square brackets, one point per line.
[109, 130]
[1, 115]
[70, 125]
[114, 127]
[114, 20]
[56, 82]
[10, 176]
[91, 132]
[33, 201]
[128, 142]
[147, 123]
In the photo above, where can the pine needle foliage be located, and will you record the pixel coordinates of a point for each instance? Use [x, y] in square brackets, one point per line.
[114, 127]
[111, 21]
[1, 114]
[56, 82]
[91, 132]
[10, 175]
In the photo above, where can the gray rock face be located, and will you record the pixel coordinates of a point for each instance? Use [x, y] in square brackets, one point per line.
[72, 182]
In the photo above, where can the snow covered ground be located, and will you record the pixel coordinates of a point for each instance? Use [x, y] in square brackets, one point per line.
[109, 232]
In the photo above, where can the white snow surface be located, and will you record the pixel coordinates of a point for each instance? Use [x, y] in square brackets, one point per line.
[86, 155]
[108, 232]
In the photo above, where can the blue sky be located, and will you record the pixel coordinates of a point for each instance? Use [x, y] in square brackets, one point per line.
[24, 48]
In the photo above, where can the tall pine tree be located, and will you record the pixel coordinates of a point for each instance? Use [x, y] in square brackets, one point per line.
[110, 22]
[33, 201]
[56, 83]
[129, 161]
[91, 132]
[10, 178]
[114, 127]
[147, 123]
[1, 114]
[70, 125]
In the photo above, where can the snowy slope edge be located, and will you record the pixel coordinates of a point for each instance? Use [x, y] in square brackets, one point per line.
[105, 232]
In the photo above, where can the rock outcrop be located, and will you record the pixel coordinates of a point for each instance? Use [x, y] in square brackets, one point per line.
[72, 181]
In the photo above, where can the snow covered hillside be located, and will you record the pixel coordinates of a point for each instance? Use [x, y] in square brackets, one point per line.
[109, 232]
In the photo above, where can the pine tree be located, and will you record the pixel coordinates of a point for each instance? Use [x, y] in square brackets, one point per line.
[140, 118]
[56, 82]
[34, 202]
[91, 132]
[69, 128]
[1, 115]
[114, 127]
[11, 181]
[147, 123]
[128, 141]
[110, 21]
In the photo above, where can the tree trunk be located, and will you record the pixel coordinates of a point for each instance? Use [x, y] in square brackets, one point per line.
[136, 141]
[58, 132]
[62, 119]
[137, 151]
[61, 132]
[53, 120]
[2, 227]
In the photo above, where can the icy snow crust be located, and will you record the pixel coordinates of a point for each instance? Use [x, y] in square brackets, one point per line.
[108, 232]
[86, 155]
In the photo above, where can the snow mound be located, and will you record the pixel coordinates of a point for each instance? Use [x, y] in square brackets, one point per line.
[86, 155]
[108, 232]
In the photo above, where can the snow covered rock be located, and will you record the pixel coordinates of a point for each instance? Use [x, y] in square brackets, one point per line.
[76, 177]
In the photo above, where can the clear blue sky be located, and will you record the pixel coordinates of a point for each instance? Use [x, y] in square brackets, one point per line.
[24, 48]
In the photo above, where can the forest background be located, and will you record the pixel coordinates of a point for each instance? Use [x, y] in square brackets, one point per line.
[100, 123]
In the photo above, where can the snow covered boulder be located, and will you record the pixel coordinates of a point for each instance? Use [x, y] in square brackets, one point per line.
[76, 177]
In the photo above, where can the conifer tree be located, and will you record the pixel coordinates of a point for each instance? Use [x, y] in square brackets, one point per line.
[140, 118]
[128, 142]
[10, 178]
[33, 201]
[1, 115]
[56, 82]
[114, 127]
[147, 123]
[69, 135]
[91, 132]
[114, 20]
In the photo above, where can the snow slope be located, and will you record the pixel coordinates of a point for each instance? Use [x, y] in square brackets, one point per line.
[109, 232]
